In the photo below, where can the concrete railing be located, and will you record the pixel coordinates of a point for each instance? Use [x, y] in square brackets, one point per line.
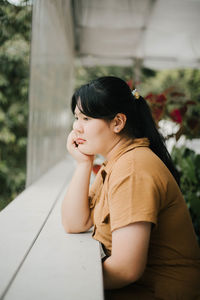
[38, 260]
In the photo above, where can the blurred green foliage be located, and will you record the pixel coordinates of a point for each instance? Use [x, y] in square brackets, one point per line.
[85, 74]
[188, 164]
[15, 29]
[185, 80]
[182, 89]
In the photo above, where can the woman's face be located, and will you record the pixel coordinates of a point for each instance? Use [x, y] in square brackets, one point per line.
[94, 136]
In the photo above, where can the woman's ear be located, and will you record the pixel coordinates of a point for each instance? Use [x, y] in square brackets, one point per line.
[119, 122]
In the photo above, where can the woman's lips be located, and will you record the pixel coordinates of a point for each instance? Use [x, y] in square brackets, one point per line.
[80, 141]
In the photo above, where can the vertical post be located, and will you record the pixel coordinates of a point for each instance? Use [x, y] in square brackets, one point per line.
[51, 85]
[137, 71]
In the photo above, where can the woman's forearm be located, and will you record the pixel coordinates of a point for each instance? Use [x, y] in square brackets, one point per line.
[75, 206]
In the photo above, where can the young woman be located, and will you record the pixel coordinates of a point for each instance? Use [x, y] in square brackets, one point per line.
[135, 204]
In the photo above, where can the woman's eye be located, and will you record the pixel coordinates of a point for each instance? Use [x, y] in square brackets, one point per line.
[85, 119]
[76, 118]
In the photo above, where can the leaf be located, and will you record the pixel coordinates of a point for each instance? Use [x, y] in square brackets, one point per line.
[6, 136]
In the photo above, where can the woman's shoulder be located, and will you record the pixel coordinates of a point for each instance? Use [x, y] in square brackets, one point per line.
[129, 163]
[140, 162]
[134, 158]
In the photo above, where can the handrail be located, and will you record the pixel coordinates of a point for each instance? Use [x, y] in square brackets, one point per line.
[38, 260]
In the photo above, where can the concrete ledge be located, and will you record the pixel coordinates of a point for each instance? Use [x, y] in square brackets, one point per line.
[38, 260]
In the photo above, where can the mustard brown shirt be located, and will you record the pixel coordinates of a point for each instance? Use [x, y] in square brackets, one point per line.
[133, 186]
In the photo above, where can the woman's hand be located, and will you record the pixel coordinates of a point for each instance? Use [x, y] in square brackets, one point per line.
[76, 216]
[74, 150]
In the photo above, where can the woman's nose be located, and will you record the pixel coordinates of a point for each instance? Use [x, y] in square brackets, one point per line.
[77, 127]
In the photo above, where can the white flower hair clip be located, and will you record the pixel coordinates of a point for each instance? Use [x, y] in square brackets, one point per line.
[136, 94]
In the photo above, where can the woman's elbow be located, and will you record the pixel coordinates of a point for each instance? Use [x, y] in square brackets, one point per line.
[134, 276]
[74, 229]
[68, 228]
[131, 274]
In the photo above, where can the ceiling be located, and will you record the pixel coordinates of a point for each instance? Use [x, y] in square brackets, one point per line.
[160, 34]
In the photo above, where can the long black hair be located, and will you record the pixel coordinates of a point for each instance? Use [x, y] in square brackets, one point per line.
[106, 96]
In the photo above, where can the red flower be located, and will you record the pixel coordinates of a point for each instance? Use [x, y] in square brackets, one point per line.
[96, 168]
[176, 116]
[150, 97]
[161, 98]
[157, 104]
[157, 113]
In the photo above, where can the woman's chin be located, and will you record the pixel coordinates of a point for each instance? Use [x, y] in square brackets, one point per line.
[85, 151]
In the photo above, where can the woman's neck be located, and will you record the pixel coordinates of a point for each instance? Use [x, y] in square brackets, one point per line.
[115, 146]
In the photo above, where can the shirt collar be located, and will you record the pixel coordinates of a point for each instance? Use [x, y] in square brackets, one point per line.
[125, 147]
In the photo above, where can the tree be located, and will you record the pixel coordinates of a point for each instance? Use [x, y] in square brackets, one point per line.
[15, 29]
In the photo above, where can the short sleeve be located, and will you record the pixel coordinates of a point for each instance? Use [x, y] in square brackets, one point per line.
[133, 196]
